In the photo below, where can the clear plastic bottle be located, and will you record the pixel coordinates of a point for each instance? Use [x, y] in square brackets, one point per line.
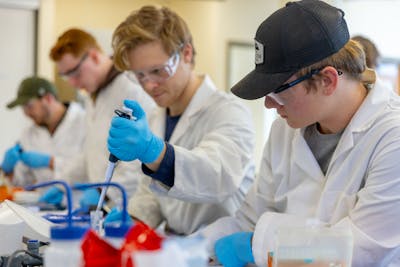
[65, 246]
[65, 239]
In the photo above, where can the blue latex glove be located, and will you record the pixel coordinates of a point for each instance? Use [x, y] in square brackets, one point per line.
[11, 157]
[132, 139]
[235, 250]
[35, 159]
[90, 197]
[115, 215]
[53, 195]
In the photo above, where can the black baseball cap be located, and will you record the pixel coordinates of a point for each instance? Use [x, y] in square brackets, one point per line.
[32, 87]
[293, 37]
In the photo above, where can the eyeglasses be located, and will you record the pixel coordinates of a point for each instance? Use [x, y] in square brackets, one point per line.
[75, 70]
[278, 98]
[158, 74]
[285, 86]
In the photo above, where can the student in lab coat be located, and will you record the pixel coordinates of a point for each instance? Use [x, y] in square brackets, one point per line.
[82, 63]
[55, 136]
[196, 148]
[333, 153]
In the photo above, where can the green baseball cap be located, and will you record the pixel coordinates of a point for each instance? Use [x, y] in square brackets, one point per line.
[32, 87]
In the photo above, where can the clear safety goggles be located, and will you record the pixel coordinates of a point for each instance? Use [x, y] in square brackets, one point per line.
[280, 94]
[75, 71]
[158, 74]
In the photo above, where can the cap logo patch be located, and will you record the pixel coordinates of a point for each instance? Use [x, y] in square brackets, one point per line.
[259, 55]
[41, 91]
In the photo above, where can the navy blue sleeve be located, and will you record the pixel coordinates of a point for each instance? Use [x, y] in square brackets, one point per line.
[166, 172]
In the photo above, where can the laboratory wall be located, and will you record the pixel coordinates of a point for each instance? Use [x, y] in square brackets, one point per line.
[17, 55]
[212, 23]
[379, 21]
[215, 25]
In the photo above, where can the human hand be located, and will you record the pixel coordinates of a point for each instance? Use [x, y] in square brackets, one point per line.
[35, 159]
[115, 215]
[53, 195]
[11, 157]
[132, 139]
[90, 197]
[235, 250]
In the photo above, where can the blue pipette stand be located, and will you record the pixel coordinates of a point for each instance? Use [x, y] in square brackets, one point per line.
[65, 239]
[114, 232]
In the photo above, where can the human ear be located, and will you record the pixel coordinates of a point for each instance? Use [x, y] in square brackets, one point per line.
[94, 55]
[329, 79]
[187, 53]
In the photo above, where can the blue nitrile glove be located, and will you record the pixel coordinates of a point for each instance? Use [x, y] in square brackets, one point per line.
[235, 250]
[35, 159]
[11, 158]
[90, 197]
[115, 215]
[53, 195]
[132, 139]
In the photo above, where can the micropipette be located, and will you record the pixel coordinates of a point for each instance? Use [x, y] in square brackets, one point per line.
[112, 160]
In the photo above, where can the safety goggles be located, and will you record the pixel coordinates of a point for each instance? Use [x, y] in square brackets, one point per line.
[74, 72]
[278, 95]
[158, 74]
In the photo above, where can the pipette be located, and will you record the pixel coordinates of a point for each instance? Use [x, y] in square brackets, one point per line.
[112, 160]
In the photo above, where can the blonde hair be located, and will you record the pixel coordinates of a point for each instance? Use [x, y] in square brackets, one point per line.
[146, 25]
[350, 60]
[74, 41]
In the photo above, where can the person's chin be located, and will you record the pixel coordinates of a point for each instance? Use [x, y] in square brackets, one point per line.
[160, 101]
[293, 124]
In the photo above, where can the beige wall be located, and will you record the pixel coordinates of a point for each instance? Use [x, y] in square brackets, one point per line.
[213, 24]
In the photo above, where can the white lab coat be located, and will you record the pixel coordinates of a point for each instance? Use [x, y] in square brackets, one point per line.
[64, 144]
[92, 163]
[214, 168]
[361, 189]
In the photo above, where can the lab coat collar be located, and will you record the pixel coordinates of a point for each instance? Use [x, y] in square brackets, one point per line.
[158, 121]
[199, 102]
[375, 102]
[373, 105]
[111, 75]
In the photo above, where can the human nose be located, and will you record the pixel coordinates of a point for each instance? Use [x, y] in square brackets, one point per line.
[272, 101]
[28, 112]
[27, 108]
[149, 84]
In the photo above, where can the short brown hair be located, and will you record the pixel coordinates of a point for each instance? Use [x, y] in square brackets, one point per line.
[350, 59]
[73, 41]
[146, 25]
